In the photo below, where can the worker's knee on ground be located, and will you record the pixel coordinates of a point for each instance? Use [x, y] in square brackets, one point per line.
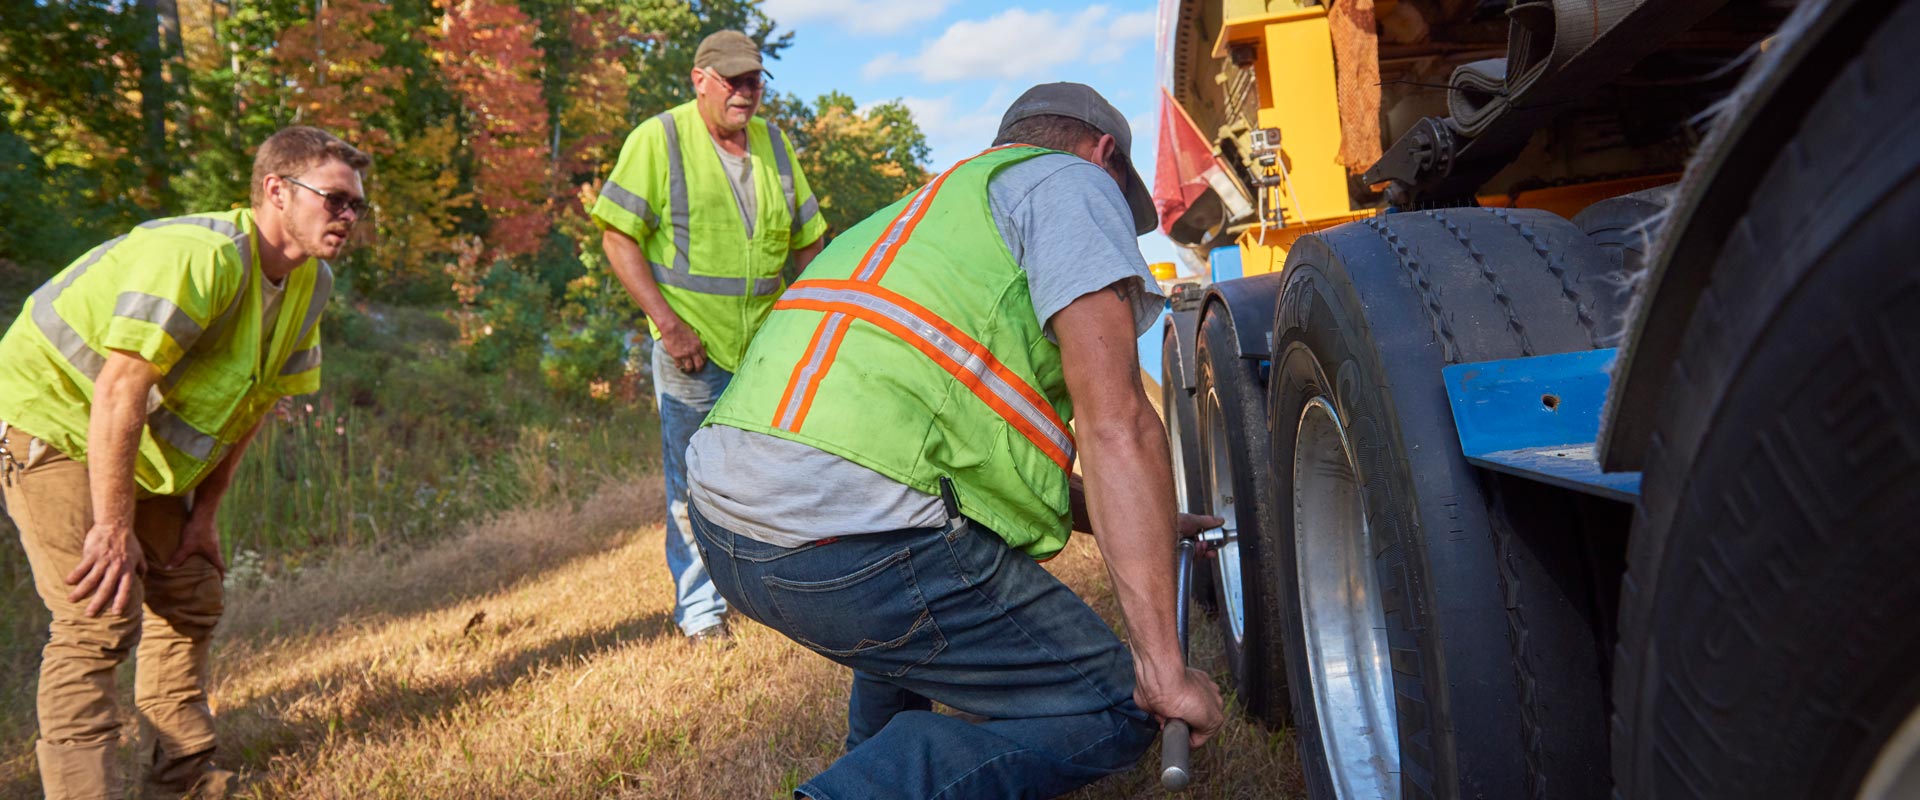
[1130, 737]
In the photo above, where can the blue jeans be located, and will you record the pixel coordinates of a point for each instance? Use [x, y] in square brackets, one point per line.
[958, 617]
[685, 398]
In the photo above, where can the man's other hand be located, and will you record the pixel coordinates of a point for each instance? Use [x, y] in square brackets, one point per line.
[110, 562]
[1190, 525]
[1191, 696]
[684, 345]
[200, 537]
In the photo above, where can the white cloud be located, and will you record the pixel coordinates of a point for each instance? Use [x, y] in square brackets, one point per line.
[1017, 43]
[859, 16]
[953, 131]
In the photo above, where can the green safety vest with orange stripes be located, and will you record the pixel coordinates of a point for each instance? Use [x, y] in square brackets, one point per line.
[184, 294]
[911, 348]
[669, 191]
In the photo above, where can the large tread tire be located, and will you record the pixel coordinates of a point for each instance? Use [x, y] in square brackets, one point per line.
[1770, 620]
[1487, 597]
[1230, 401]
[1626, 226]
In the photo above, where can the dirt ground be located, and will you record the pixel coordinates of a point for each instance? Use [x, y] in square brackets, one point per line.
[534, 656]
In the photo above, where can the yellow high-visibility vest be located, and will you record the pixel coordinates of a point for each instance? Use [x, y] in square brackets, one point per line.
[670, 192]
[185, 294]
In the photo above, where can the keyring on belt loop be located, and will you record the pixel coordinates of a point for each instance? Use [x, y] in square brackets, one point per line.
[7, 464]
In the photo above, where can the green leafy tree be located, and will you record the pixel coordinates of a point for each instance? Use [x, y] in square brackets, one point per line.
[856, 161]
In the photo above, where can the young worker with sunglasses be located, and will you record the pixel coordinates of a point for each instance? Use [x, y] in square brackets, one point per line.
[707, 219]
[129, 386]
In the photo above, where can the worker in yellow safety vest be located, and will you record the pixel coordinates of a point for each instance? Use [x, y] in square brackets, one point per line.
[894, 459]
[130, 385]
[706, 219]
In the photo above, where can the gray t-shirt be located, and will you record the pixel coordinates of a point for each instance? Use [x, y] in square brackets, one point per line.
[1068, 227]
[739, 171]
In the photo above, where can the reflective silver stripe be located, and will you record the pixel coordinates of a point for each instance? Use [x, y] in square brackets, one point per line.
[807, 212]
[633, 203]
[242, 243]
[302, 361]
[677, 196]
[64, 338]
[170, 428]
[713, 284]
[781, 161]
[828, 333]
[894, 231]
[931, 334]
[174, 322]
[322, 290]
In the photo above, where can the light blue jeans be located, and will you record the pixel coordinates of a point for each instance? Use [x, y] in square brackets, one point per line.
[956, 616]
[685, 398]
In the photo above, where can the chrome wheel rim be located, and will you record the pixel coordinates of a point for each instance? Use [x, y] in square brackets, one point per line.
[1896, 771]
[1177, 443]
[1220, 483]
[1345, 636]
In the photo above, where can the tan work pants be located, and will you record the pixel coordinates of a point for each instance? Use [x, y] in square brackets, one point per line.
[79, 722]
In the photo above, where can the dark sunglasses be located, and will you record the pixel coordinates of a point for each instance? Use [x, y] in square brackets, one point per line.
[337, 202]
[748, 82]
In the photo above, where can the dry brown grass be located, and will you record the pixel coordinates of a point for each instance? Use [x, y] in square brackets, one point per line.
[377, 676]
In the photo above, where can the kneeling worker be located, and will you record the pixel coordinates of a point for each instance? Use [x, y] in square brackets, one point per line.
[129, 386]
[893, 457]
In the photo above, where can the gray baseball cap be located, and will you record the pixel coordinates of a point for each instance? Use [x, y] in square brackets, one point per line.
[730, 53]
[1081, 102]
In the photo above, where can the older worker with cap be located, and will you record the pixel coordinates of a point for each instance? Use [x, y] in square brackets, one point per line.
[893, 461]
[706, 220]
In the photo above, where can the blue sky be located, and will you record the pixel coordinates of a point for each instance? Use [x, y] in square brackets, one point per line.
[959, 64]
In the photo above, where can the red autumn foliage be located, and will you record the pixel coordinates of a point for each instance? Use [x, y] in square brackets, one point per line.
[489, 58]
[338, 81]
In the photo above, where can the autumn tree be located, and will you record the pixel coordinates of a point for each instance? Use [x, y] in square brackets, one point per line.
[857, 161]
[333, 67]
[487, 53]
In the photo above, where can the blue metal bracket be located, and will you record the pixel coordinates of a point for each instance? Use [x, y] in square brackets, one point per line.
[1538, 418]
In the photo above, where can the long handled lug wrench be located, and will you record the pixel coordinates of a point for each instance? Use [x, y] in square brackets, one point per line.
[1176, 768]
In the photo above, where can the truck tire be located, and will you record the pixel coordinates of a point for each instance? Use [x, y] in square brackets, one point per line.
[1176, 404]
[1440, 622]
[1236, 483]
[1625, 226]
[1770, 620]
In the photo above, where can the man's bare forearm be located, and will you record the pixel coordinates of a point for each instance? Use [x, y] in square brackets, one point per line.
[213, 489]
[629, 265]
[118, 416]
[1129, 502]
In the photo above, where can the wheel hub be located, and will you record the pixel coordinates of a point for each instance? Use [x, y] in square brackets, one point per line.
[1346, 643]
[1220, 483]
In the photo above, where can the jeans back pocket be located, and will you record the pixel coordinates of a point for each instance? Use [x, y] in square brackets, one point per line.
[874, 620]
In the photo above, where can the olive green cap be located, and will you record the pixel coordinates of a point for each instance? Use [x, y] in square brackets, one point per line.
[730, 53]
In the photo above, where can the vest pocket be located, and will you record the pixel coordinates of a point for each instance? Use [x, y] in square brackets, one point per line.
[874, 619]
